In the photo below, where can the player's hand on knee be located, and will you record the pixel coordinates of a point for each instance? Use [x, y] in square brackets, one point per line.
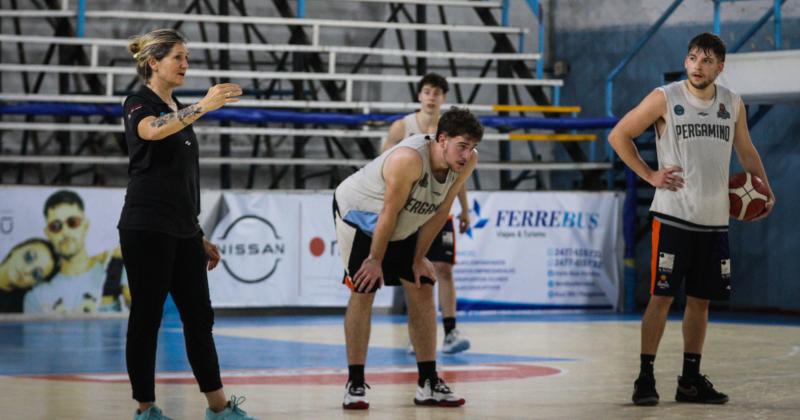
[463, 221]
[423, 268]
[667, 178]
[368, 275]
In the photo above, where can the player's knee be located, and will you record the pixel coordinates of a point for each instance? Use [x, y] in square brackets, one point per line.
[423, 295]
[697, 302]
[359, 298]
[445, 277]
[444, 272]
[661, 302]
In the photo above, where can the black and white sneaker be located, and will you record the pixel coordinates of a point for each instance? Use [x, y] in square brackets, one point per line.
[455, 342]
[437, 394]
[355, 398]
[644, 390]
[698, 390]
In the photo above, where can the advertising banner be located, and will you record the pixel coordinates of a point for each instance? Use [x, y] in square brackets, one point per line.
[59, 251]
[524, 251]
[540, 250]
[258, 238]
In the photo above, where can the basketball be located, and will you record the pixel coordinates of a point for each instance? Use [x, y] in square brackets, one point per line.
[748, 195]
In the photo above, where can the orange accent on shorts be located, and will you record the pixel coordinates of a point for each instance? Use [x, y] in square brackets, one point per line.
[654, 255]
[348, 282]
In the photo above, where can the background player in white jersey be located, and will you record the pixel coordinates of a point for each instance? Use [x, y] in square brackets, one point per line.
[431, 94]
[696, 122]
[387, 214]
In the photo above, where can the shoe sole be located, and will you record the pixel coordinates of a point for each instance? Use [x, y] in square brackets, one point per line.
[434, 403]
[458, 348]
[358, 405]
[649, 401]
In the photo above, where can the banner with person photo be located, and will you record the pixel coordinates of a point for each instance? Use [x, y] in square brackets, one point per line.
[60, 251]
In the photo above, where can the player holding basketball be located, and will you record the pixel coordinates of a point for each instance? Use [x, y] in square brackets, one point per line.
[696, 122]
[386, 215]
[431, 93]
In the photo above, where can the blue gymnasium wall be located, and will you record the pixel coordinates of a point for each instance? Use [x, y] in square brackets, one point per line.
[765, 257]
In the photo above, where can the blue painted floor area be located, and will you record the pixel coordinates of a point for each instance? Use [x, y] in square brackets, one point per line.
[722, 317]
[98, 346]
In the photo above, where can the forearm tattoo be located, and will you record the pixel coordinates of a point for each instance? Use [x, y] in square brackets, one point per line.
[181, 115]
[162, 120]
[189, 111]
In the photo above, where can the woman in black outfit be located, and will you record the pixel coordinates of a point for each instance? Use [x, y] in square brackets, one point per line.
[163, 247]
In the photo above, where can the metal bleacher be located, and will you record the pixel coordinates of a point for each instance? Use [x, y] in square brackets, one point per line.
[68, 69]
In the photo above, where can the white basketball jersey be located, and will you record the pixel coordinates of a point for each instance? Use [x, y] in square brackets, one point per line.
[360, 196]
[698, 139]
[412, 125]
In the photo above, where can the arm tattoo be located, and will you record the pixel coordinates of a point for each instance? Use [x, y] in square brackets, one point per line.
[162, 121]
[189, 111]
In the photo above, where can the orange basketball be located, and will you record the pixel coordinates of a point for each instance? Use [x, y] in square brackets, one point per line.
[748, 195]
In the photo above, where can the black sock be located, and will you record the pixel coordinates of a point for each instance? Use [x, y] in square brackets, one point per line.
[647, 361]
[449, 324]
[427, 370]
[356, 374]
[691, 365]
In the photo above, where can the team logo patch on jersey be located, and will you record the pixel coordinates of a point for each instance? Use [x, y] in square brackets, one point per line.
[666, 262]
[134, 109]
[723, 113]
[678, 110]
[725, 268]
[424, 181]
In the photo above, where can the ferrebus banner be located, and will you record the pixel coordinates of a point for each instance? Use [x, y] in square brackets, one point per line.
[59, 251]
[540, 250]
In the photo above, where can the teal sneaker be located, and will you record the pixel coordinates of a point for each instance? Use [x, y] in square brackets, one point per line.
[231, 411]
[152, 413]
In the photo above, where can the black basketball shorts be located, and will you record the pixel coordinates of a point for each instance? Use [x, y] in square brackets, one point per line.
[443, 248]
[700, 258]
[354, 245]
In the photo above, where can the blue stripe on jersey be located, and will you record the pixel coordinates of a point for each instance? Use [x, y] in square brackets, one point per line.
[366, 221]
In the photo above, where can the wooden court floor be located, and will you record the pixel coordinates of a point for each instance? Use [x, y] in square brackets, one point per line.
[519, 367]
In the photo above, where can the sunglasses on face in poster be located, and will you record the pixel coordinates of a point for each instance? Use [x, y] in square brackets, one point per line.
[73, 222]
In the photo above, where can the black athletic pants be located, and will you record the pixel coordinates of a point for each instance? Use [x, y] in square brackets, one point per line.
[158, 264]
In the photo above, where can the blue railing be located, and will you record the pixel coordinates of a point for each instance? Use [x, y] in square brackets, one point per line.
[536, 8]
[774, 11]
[80, 25]
[617, 70]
